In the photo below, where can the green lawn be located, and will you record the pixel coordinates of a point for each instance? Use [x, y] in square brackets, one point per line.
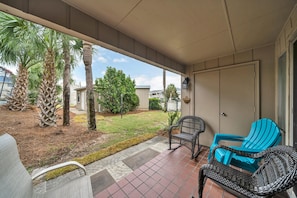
[120, 128]
[131, 125]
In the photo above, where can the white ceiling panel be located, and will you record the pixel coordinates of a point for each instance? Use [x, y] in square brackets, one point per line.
[193, 30]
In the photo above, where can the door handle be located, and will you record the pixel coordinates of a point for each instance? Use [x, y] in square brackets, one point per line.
[223, 114]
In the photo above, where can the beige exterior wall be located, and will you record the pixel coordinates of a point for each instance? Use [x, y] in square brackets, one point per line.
[81, 104]
[264, 55]
[283, 44]
[143, 94]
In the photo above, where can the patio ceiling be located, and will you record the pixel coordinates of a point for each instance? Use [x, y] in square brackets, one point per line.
[193, 30]
[185, 31]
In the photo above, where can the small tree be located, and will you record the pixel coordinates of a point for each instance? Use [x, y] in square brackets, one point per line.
[117, 92]
[170, 92]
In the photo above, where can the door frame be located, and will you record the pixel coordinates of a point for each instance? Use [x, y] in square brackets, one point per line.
[289, 136]
[257, 81]
[212, 130]
[290, 109]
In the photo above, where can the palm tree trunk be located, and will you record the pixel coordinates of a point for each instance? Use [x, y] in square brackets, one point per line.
[18, 100]
[66, 86]
[47, 100]
[87, 58]
[164, 90]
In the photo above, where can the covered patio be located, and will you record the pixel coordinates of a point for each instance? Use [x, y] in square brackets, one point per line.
[148, 169]
[240, 58]
[136, 172]
[169, 174]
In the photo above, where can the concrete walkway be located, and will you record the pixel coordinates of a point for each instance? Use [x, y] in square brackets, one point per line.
[76, 111]
[113, 164]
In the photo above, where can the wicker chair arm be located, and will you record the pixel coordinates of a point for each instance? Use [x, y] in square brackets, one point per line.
[172, 127]
[250, 154]
[246, 150]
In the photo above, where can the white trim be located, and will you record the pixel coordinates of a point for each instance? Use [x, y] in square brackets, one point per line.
[289, 137]
[227, 67]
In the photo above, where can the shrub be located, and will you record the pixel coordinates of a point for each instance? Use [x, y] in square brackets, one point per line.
[154, 104]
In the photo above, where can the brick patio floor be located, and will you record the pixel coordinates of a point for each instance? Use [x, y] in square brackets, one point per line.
[169, 174]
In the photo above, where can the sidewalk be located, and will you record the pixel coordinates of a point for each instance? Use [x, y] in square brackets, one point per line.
[111, 169]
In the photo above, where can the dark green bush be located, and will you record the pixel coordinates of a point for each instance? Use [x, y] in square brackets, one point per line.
[154, 104]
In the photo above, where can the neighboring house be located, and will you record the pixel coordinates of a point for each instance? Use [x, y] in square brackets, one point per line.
[6, 83]
[141, 91]
[157, 94]
[81, 102]
[172, 105]
[73, 94]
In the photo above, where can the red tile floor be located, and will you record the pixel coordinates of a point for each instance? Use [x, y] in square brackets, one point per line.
[170, 174]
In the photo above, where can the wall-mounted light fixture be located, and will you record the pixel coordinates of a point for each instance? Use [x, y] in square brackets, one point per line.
[186, 82]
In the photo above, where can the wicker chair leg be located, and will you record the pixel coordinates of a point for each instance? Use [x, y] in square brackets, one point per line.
[202, 181]
[195, 154]
[170, 142]
[193, 148]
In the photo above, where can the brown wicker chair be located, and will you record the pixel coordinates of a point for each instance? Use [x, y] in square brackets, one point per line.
[277, 172]
[189, 129]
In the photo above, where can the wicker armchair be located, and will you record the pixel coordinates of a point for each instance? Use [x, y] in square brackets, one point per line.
[277, 172]
[189, 129]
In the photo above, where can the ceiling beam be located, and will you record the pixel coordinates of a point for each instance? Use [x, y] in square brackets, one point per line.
[225, 7]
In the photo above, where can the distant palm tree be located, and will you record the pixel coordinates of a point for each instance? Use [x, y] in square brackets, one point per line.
[87, 58]
[19, 44]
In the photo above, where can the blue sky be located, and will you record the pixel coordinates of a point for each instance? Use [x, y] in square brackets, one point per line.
[142, 73]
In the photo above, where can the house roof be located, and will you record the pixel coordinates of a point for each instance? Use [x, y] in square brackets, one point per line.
[6, 70]
[142, 86]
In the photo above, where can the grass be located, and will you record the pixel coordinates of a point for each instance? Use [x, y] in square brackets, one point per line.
[124, 132]
[121, 128]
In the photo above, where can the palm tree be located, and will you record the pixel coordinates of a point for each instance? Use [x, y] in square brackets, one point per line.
[19, 46]
[87, 58]
[47, 99]
[66, 80]
[74, 45]
[164, 89]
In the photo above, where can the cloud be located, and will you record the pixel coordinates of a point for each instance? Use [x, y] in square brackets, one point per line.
[176, 80]
[79, 80]
[100, 55]
[119, 60]
[102, 59]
